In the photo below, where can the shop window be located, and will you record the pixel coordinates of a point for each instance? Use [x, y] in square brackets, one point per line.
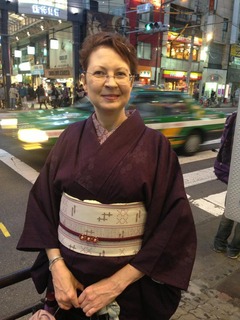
[144, 50]
[178, 50]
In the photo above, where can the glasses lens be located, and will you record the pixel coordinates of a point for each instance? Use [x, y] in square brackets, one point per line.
[119, 79]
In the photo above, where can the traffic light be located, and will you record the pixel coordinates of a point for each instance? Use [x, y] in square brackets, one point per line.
[156, 27]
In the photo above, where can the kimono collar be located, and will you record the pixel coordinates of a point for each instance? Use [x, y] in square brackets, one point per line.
[103, 133]
[111, 152]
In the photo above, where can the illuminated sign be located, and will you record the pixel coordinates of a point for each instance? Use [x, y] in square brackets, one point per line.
[37, 69]
[173, 36]
[17, 53]
[45, 8]
[181, 75]
[25, 66]
[58, 73]
[235, 50]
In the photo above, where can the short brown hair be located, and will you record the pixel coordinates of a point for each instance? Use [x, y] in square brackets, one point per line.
[112, 40]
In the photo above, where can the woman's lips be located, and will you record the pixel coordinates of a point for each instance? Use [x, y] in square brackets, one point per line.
[110, 97]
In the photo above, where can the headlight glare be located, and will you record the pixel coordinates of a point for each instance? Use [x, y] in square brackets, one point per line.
[32, 135]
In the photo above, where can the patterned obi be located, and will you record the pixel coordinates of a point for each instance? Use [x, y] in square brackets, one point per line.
[92, 228]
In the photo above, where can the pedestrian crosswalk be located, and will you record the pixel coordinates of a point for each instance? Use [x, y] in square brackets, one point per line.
[212, 203]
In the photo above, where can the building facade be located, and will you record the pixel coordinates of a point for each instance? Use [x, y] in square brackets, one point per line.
[200, 51]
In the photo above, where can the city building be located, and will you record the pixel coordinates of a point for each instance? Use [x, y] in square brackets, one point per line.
[196, 50]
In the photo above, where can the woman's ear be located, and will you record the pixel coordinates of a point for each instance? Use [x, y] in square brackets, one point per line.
[83, 80]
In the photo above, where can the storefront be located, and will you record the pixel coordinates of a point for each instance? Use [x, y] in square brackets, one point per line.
[145, 74]
[58, 77]
[178, 47]
[176, 80]
[214, 79]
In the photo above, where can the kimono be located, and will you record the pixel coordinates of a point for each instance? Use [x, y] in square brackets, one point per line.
[135, 164]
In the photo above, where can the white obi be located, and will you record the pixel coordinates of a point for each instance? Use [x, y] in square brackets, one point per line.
[92, 228]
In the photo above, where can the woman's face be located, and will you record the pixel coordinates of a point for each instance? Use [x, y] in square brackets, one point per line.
[107, 94]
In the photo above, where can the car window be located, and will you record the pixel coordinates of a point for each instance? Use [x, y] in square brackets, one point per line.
[158, 104]
[174, 105]
[145, 104]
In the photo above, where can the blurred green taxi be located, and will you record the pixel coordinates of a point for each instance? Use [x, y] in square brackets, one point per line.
[185, 123]
[180, 118]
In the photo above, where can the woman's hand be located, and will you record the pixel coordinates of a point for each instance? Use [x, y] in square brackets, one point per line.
[101, 293]
[98, 295]
[65, 286]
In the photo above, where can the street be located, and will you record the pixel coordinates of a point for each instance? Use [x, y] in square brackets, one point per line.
[212, 293]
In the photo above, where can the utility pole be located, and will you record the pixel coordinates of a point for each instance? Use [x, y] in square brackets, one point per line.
[5, 54]
[190, 60]
[157, 57]
[191, 49]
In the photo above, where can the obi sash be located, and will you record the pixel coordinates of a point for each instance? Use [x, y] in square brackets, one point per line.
[92, 228]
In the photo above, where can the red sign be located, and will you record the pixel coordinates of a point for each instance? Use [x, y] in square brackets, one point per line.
[211, 5]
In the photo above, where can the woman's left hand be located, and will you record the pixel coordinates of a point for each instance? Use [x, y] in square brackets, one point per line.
[100, 294]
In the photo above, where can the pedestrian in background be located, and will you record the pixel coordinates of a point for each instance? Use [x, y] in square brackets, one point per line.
[2, 96]
[119, 239]
[54, 94]
[22, 90]
[236, 97]
[79, 91]
[31, 95]
[41, 96]
[13, 96]
[222, 244]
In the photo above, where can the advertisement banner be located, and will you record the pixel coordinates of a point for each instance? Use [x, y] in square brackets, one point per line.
[44, 8]
[99, 21]
[62, 56]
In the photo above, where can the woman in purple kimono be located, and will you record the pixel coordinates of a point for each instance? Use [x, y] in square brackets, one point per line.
[108, 212]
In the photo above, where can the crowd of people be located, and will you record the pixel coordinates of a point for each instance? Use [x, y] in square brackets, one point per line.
[23, 96]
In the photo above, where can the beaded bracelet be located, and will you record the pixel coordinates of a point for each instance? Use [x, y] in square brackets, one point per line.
[52, 261]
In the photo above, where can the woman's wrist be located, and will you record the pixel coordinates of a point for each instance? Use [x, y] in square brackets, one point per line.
[54, 255]
[125, 276]
[54, 260]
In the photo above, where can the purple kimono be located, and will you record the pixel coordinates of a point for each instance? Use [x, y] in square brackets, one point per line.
[134, 164]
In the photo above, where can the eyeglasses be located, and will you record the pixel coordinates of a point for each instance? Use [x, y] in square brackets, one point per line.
[120, 78]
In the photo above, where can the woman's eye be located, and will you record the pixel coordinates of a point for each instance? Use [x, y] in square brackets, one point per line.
[99, 73]
[121, 75]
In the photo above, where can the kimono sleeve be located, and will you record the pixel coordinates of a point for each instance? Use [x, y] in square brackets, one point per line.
[169, 244]
[42, 215]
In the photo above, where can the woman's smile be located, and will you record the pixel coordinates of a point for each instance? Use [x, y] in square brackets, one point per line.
[110, 97]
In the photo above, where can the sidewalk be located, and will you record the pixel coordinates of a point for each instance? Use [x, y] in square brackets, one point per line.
[214, 291]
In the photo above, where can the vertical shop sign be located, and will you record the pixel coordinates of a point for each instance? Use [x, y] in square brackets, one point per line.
[211, 6]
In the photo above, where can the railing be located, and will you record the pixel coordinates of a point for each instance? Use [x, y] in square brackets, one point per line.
[12, 279]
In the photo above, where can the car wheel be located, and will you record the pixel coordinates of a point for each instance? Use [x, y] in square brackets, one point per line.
[192, 143]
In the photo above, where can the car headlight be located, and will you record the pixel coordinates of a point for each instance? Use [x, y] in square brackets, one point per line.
[32, 135]
[9, 123]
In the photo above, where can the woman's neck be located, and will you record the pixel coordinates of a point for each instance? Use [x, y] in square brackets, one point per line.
[111, 121]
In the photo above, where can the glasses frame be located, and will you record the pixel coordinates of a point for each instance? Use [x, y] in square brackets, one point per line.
[107, 76]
